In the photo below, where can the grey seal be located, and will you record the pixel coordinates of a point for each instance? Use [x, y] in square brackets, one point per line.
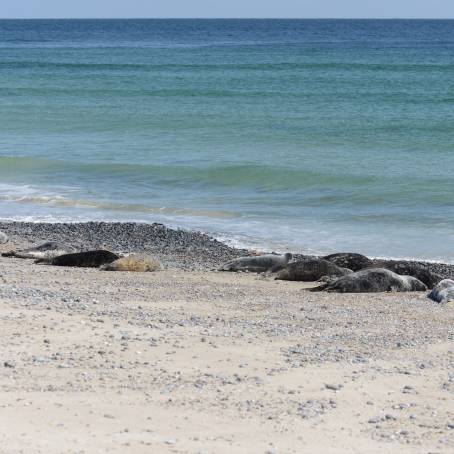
[3, 238]
[373, 280]
[135, 262]
[310, 270]
[415, 269]
[258, 264]
[88, 259]
[443, 292]
[47, 250]
[350, 260]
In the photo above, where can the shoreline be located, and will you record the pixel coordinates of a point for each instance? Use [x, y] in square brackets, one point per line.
[175, 248]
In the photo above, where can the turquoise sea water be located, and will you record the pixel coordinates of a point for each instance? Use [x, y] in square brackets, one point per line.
[313, 136]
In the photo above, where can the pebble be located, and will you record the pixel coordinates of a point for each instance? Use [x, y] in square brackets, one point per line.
[333, 387]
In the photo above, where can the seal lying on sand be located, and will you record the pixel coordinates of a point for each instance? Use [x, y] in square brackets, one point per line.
[138, 263]
[47, 250]
[258, 264]
[443, 292]
[415, 269]
[88, 259]
[3, 238]
[373, 280]
[350, 260]
[310, 270]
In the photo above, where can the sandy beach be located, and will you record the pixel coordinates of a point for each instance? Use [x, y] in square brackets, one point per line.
[189, 360]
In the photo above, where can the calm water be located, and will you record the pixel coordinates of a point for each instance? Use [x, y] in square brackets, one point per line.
[309, 135]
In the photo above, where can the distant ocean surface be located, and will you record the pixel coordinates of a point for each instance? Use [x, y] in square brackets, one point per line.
[308, 135]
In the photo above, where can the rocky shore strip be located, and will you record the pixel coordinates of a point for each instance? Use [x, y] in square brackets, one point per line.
[176, 248]
[179, 249]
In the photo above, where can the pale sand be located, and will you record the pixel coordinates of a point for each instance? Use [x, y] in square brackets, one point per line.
[206, 362]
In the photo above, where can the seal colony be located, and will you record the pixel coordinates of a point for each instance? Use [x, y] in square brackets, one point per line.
[151, 247]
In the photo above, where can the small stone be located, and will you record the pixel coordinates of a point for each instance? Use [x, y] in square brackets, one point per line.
[374, 420]
[333, 387]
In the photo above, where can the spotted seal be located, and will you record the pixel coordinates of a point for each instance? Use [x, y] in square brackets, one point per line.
[258, 264]
[415, 269]
[88, 259]
[310, 270]
[350, 260]
[373, 280]
[443, 292]
[44, 251]
[134, 262]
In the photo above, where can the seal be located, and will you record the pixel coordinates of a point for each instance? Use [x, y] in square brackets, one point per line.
[373, 280]
[88, 259]
[350, 260]
[258, 264]
[44, 251]
[311, 270]
[415, 269]
[443, 292]
[3, 238]
[134, 262]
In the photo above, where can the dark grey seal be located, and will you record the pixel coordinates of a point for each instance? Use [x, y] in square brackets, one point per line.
[415, 269]
[3, 238]
[350, 260]
[443, 292]
[310, 270]
[88, 259]
[44, 251]
[258, 264]
[373, 280]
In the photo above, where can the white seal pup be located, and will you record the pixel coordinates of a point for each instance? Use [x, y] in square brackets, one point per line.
[3, 238]
[373, 280]
[44, 251]
[311, 270]
[134, 262]
[443, 292]
[258, 264]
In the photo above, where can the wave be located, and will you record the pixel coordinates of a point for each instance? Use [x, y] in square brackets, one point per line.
[261, 177]
[27, 194]
[273, 67]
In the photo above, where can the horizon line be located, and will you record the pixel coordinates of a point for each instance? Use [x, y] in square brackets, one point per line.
[228, 18]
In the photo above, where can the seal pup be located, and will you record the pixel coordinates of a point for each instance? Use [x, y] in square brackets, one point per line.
[134, 262]
[258, 264]
[443, 292]
[47, 250]
[3, 238]
[373, 280]
[415, 269]
[350, 260]
[88, 259]
[310, 270]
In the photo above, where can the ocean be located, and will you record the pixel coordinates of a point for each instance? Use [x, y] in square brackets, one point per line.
[312, 136]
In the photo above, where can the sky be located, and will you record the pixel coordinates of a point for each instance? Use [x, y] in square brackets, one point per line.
[227, 8]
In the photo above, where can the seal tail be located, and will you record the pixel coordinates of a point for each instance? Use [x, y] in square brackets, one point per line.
[319, 288]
